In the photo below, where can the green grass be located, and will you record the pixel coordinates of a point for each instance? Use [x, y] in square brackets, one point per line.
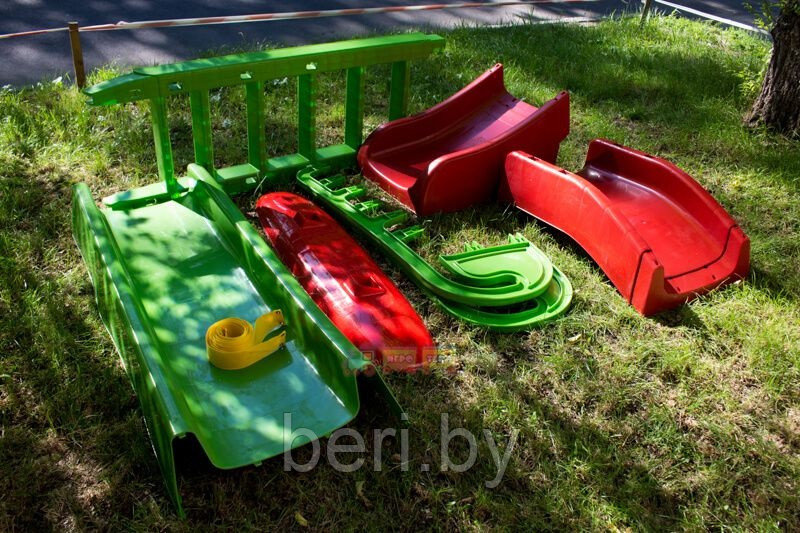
[689, 420]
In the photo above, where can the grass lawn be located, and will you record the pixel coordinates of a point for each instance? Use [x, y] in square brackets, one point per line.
[687, 420]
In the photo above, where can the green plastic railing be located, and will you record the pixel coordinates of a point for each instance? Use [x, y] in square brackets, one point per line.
[197, 77]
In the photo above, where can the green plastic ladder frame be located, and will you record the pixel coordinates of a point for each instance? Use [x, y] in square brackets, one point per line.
[197, 77]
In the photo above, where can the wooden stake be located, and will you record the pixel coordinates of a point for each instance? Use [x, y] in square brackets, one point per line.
[645, 11]
[77, 54]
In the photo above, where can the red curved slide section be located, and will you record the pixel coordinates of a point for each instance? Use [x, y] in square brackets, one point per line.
[655, 232]
[345, 283]
[451, 156]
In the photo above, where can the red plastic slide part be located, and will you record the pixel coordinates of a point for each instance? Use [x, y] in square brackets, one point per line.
[655, 232]
[451, 156]
[345, 283]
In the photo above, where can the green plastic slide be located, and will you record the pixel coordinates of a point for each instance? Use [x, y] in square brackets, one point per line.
[163, 274]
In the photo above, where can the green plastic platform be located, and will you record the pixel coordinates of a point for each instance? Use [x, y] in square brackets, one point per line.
[170, 259]
[487, 280]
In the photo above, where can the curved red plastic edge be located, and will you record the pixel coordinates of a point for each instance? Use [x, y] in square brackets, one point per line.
[346, 283]
[657, 234]
[451, 156]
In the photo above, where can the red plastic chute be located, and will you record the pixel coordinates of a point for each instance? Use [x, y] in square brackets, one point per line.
[655, 232]
[451, 156]
[346, 283]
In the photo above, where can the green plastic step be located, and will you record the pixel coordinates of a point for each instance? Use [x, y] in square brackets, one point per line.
[409, 234]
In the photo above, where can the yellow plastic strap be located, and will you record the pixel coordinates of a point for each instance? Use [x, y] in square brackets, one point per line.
[233, 343]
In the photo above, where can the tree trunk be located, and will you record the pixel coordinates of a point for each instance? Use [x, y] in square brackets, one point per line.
[778, 105]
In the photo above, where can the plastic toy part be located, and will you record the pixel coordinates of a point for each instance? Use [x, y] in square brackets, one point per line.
[547, 307]
[655, 232]
[451, 156]
[233, 343]
[162, 273]
[346, 283]
[195, 79]
[510, 286]
[495, 266]
[488, 280]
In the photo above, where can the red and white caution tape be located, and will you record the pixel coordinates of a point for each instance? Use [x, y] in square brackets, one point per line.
[31, 32]
[233, 19]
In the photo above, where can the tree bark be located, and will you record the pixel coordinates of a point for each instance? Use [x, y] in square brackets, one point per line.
[778, 105]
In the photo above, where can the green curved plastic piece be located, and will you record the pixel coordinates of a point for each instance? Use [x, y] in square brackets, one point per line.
[474, 288]
[488, 280]
[545, 308]
[498, 265]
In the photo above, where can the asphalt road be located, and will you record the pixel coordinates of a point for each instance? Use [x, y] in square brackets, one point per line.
[27, 60]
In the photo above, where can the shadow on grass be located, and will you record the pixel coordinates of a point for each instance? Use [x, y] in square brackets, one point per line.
[420, 497]
[73, 437]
